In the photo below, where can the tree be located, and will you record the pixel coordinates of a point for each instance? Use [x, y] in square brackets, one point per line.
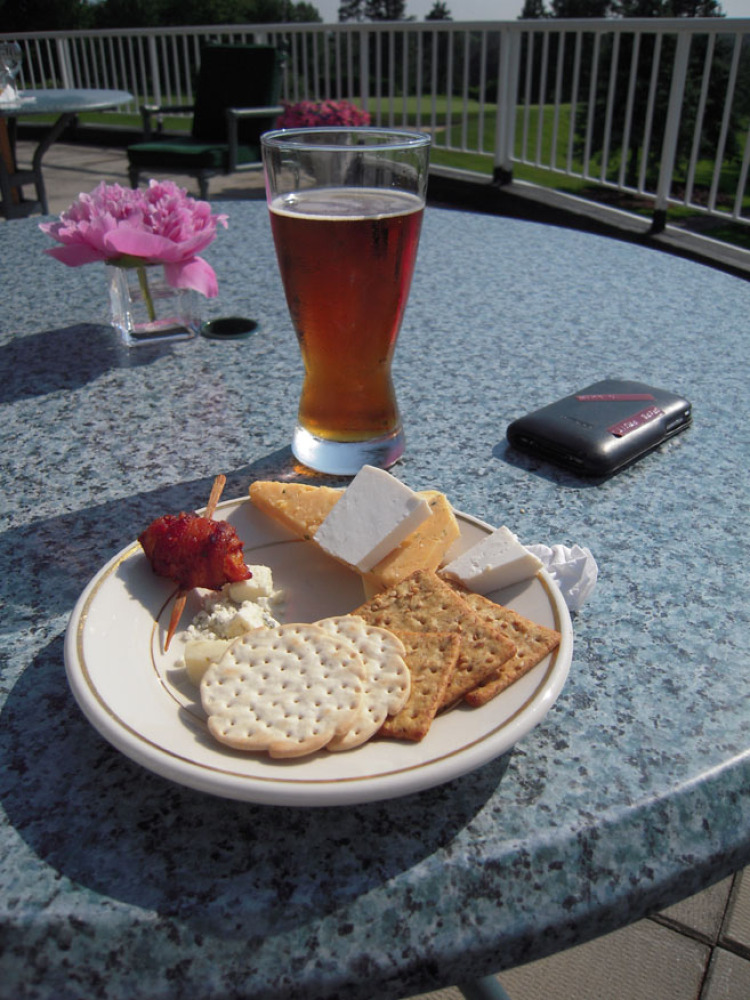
[385, 10]
[301, 13]
[667, 8]
[533, 10]
[44, 15]
[158, 13]
[352, 10]
[136, 14]
[581, 8]
[439, 12]
[373, 10]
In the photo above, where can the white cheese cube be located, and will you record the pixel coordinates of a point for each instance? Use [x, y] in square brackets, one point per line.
[498, 560]
[260, 584]
[200, 654]
[374, 515]
[247, 616]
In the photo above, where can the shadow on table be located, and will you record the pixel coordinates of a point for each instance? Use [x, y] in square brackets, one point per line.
[66, 358]
[105, 823]
[545, 470]
[102, 822]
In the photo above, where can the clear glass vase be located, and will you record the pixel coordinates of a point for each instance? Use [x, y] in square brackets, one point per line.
[146, 310]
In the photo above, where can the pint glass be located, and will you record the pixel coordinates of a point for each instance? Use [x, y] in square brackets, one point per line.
[346, 210]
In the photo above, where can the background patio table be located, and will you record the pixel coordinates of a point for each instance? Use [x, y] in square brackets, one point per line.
[66, 104]
[631, 794]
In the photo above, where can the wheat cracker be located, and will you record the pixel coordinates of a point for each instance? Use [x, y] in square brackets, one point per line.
[425, 602]
[533, 642]
[431, 658]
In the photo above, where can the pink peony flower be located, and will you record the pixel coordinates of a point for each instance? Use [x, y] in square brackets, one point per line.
[312, 114]
[133, 228]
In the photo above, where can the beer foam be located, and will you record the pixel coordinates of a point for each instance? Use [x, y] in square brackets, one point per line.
[347, 203]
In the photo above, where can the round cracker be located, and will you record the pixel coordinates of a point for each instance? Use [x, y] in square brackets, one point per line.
[386, 690]
[288, 690]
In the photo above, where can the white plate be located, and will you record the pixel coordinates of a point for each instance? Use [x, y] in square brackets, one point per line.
[139, 699]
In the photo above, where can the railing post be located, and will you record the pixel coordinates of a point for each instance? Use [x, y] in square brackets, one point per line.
[62, 45]
[507, 92]
[364, 68]
[153, 59]
[671, 132]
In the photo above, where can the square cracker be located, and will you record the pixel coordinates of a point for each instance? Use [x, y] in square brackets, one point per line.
[425, 603]
[533, 642]
[431, 658]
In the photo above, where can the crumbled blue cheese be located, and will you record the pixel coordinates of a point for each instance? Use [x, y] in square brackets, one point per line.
[237, 607]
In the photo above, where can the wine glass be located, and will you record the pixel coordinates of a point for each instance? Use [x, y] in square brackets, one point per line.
[11, 57]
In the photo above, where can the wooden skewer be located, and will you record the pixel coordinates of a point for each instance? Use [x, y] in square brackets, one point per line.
[181, 598]
[177, 608]
[216, 490]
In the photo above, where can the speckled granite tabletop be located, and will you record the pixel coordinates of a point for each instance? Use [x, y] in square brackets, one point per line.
[632, 793]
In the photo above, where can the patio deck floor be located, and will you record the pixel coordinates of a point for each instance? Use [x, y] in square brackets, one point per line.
[698, 949]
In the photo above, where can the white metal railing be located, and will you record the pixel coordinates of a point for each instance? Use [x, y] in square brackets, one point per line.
[658, 108]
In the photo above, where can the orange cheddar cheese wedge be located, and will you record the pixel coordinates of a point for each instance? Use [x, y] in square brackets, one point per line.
[299, 507]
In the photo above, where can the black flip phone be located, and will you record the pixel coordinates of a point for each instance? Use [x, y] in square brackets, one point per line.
[601, 428]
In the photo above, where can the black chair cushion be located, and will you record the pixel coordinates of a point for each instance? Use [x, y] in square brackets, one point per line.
[175, 154]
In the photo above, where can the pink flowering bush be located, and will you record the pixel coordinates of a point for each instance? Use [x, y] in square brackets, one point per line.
[312, 114]
[136, 227]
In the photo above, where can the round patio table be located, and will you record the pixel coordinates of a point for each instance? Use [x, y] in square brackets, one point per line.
[66, 104]
[630, 794]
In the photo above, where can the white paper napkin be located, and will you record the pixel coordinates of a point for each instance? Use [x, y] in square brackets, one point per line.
[573, 569]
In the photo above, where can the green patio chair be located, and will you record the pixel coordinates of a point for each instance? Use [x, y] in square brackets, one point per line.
[236, 99]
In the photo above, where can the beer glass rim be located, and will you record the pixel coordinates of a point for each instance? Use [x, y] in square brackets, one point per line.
[379, 138]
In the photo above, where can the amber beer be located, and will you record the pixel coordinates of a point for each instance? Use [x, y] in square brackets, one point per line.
[346, 257]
